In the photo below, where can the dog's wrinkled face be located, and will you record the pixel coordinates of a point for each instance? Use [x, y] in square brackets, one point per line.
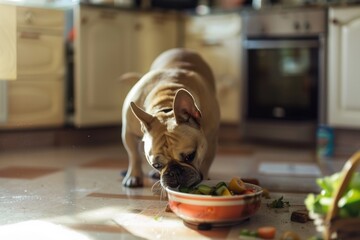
[174, 143]
[177, 154]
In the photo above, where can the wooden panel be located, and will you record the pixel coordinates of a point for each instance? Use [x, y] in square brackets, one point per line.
[218, 39]
[7, 42]
[40, 18]
[40, 53]
[35, 103]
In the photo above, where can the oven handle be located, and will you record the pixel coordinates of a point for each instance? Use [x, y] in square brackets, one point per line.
[266, 44]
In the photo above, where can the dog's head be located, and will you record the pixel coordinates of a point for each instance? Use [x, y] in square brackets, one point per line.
[174, 143]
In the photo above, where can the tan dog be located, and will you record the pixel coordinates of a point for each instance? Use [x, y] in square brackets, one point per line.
[173, 109]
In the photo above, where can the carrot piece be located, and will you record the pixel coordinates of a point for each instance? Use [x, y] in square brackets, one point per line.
[266, 232]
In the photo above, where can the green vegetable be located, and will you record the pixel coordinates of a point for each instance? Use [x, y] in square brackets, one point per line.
[220, 184]
[349, 203]
[278, 203]
[184, 189]
[219, 191]
[204, 189]
[249, 233]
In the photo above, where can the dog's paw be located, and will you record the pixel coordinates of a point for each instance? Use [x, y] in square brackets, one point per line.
[133, 182]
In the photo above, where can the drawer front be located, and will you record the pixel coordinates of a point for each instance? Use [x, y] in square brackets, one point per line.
[39, 53]
[40, 18]
[35, 104]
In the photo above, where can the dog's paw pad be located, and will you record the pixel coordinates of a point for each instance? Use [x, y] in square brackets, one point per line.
[133, 182]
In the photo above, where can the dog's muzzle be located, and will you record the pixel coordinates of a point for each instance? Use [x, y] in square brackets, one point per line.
[177, 174]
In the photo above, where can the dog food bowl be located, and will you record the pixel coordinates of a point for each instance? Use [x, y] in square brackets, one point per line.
[206, 211]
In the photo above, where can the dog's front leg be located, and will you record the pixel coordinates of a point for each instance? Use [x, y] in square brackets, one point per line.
[134, 175]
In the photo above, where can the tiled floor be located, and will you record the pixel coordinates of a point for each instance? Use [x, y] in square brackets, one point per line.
[76, 193]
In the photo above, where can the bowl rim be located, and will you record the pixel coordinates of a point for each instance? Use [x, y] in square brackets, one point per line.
[176, 192]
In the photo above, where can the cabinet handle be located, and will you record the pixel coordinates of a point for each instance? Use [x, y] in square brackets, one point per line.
[336, 21]
[138, 26]
[107, 15]
[84, 20]
[29, 17]
[30, 35]
[211, 43]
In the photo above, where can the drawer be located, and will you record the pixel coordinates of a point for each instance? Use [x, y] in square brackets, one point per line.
[39, 53]
[40, 18]
[213, 29]
[35, 104]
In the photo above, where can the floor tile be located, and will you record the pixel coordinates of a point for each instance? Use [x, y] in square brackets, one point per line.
[26, 172]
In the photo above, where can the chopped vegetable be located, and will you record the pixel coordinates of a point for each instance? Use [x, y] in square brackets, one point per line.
[226, 192]
[237, 185]
[220, 184]
[278, 203]
[247, 232]
[219, 191]
[266, 232]
[204, 189]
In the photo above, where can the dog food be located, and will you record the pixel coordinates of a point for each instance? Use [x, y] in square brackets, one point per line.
[235, 187]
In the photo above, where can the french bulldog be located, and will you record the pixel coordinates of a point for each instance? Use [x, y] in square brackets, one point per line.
[173, 109]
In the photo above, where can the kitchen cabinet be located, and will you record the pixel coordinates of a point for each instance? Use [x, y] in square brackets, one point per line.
[154, 33]
[343, 67]
[218, 39]
[7, 42]
[110, 43]
[36, 98]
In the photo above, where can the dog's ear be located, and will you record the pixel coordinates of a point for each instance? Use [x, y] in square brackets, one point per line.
[185, 109]
[143, 116]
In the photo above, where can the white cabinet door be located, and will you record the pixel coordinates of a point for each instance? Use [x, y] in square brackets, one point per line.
[217, 38]
[343, 67]
[35, 103]
[40, 53]
[103, 52]
[109, 44]
[36, 98]
[7, 42]
[153, 33]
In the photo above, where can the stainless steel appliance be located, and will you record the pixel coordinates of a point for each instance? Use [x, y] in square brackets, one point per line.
[284, 70]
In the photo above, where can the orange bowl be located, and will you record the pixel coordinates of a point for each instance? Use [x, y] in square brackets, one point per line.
[215, 210]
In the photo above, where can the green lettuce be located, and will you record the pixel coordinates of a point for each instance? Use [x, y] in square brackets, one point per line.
[349, 203]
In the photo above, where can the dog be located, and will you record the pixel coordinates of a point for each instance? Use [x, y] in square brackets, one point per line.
[173, 109]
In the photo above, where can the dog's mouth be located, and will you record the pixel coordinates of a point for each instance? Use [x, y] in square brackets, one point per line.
[179, 175]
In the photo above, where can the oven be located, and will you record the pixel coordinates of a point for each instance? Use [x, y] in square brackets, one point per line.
[284, 74]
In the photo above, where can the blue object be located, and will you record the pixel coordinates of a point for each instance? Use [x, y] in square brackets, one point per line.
[325, 141]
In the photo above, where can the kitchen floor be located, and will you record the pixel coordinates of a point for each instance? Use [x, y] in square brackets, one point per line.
[76, 193]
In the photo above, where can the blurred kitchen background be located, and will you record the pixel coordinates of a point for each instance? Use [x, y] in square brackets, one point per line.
[287, 71]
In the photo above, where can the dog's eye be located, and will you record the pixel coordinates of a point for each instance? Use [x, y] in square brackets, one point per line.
[157, 166]
[190, 157]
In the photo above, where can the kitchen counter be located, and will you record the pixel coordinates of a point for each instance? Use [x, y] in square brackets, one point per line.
[54, 4]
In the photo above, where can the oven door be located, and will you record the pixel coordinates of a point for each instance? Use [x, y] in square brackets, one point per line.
[282, 79]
